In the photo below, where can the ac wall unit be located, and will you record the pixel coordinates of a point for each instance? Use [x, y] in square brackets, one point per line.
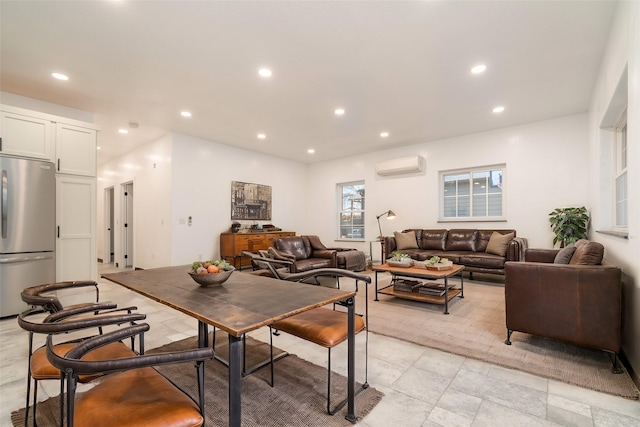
[401, 165]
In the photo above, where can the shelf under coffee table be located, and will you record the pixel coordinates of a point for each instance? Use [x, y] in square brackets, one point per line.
[400, 273]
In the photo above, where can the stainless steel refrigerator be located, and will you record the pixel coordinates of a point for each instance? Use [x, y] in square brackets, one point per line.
[27, 240]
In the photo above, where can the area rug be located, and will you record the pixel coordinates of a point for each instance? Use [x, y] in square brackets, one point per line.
[475, 328]
[298, 398]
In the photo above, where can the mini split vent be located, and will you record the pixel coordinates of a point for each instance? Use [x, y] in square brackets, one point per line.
[400, 166]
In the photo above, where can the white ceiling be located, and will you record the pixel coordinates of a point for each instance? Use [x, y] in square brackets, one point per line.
[401, 67]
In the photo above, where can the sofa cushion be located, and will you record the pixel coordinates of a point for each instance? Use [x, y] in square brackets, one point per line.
[498, 243]
[565, 254]
[433, 239]
[405, 240]
[461, 240]
[589, 253]
[482, 259]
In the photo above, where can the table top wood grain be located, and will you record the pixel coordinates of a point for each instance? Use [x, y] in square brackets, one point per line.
[243, 303]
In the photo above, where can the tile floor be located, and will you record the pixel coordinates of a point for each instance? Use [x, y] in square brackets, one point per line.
[423, 387]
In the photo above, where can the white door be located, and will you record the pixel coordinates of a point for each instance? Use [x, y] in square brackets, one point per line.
[76, 230]
[108, 226]
[127, 226]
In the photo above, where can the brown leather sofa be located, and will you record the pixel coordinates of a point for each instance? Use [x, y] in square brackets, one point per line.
[466, 247]
[579, 302]
[302, 253]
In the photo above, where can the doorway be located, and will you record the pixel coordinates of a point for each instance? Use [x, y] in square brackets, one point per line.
[127, 225]
[109, 256]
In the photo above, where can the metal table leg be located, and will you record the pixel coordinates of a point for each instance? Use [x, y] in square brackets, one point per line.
[351, 360]
[235, 387]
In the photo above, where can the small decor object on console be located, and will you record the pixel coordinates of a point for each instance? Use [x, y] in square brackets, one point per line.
[437, 263]
[399, 259]
[210, 273]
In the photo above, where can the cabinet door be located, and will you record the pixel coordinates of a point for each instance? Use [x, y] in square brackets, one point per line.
[26, 136]
[76, 150]
[76, 232]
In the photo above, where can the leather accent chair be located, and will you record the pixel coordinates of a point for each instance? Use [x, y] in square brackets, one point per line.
[43, 298]
[300, 251]
[134, 393]
[68, 321]
[580, 304]
[323, 326]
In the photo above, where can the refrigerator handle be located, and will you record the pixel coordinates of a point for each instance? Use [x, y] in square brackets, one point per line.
[3, 203]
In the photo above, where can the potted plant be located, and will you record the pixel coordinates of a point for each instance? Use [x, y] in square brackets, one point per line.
[569, 225]
[398, 259]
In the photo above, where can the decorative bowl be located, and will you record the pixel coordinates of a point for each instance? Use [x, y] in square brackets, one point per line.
[212, 279]
[405, 262]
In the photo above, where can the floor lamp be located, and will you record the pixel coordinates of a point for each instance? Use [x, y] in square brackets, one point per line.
[390, 215]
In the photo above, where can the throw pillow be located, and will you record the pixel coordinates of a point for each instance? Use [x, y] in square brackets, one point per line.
[498, 243]
[405, 240]
[590, 253]
[564, 255]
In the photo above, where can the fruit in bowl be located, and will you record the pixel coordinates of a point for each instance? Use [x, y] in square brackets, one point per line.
[207, 273]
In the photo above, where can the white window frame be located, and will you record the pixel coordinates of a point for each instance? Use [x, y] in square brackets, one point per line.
[471, 171]
[620, 176]
[359, 236]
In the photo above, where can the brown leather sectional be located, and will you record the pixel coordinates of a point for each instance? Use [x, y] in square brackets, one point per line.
[462, 246]
[577, 303]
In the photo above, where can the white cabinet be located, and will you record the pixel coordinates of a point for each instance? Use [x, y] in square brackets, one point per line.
[75, 150]
[72, 145]
[76, 257]
[26, 136]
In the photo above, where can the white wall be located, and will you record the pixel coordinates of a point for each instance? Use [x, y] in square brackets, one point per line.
[623, 50]
[546, 168]
[150, 169]
[201, 188]
[177, 177]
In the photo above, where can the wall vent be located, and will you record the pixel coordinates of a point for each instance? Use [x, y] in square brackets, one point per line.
[399, 166]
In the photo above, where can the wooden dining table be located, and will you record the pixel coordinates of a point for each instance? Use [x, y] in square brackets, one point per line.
[245, 302]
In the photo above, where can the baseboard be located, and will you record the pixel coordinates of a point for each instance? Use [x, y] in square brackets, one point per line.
[634, 375]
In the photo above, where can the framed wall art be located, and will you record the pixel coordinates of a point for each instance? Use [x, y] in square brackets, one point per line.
[250, 201]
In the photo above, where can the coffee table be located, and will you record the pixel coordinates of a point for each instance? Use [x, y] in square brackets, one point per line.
[441, 294]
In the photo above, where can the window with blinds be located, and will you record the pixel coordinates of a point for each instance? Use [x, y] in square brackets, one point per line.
[473, 194]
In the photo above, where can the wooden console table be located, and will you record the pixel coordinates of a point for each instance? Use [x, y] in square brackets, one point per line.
[233, 244]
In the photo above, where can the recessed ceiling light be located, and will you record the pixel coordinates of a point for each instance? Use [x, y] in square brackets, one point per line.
[384, 134]
[339, 111]
[311, 151]
[264, 72]
[498, 109]
[480, 68]
[59, 76]
[123, 131]
[261, 136]
[98, 148]
[185, 114]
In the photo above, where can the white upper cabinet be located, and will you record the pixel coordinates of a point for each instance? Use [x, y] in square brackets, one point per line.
[26, 136]
[75, 150]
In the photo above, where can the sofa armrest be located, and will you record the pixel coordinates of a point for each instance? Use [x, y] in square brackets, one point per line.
[324, 253]
[389, 246]
[581, 304]
[540, 255]
[516, 249]
[281, 255]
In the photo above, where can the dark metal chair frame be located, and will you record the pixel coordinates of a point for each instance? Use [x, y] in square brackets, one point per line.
[73, 366]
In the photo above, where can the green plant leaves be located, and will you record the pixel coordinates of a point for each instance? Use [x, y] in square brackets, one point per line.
[569, 225]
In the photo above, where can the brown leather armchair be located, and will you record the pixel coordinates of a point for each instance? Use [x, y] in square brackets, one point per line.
[303, 255]
[580, 304]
